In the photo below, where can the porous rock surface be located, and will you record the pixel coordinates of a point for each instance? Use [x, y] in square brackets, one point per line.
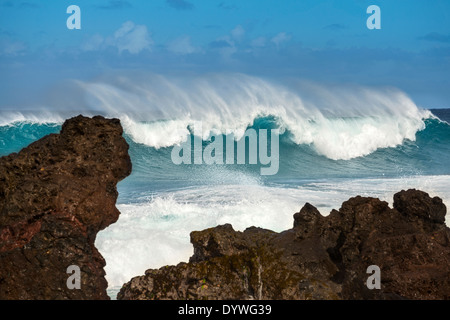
[55, 196]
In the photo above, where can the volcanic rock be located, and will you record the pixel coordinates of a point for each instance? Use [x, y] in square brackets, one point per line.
[55, 196]
[321, 257]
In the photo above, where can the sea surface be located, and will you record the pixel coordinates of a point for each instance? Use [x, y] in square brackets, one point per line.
[369, 142]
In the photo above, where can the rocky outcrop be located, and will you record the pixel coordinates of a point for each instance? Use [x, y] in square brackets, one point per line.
[55, 196]
[321, 257]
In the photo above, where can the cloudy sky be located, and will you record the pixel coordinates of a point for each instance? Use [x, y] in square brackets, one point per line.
[326, 41]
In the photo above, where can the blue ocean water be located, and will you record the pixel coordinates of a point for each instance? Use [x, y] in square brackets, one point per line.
[326, 155]
[153, 170]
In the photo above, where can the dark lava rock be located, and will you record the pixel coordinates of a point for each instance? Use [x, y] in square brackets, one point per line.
[55, 196]
[418, 204]
[319, 258]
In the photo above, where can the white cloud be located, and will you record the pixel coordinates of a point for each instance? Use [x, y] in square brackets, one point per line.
[181, 46]
[124, 29]
[129, 37]
[280, 38]
[93, 43]
[238, 33]
[132, 38]
[227, 45]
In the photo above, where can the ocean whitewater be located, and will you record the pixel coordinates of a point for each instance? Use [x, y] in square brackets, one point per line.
[334, 143]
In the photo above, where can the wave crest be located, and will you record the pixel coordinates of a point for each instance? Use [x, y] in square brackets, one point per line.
[340, 123]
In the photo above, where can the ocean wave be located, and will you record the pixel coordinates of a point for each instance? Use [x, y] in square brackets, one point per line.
[426, 152]
[335, 138]
[17, 118]
[340, 123]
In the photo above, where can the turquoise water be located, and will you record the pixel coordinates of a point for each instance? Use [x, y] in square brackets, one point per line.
[153, 169]
[161, 203]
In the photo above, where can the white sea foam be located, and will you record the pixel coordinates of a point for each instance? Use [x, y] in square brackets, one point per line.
[340, 123]
[155, 232]
[157, 134]
[38, 117]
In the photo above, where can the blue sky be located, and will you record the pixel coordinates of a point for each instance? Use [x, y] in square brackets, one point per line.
[319, 40]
